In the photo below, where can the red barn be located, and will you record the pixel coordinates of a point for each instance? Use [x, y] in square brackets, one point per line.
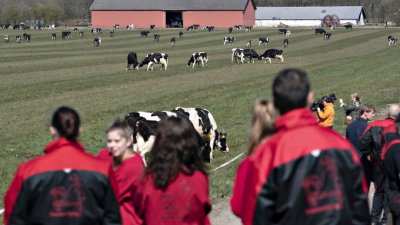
[172, 13]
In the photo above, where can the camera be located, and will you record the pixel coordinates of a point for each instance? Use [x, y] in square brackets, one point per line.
[318, 104]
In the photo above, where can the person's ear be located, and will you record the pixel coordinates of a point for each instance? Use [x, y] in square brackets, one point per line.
[80, 130]
[53, 132]
[130, 141]
[310, 99]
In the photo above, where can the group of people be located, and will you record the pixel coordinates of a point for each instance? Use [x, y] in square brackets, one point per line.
[296, 171]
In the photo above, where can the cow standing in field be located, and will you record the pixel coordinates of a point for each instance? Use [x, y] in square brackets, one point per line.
[112, 33]
[180, 34]
[248, 28]
[327, 36]
[248, 44]
[282, 31]
[18, 38]
[240, 54]
[53, 36]
[156, 37]
[272, 54]
[320, 31]
[96, 30]
[210, 28]
[97, 41]
[155, 58]
[238, 27]
[144, 33]
[230, 30]
[173, 40]
[263, 40]
[152, 26]
[229, 40]
[6, 38]
[65, 34]
[287, 34]
[392, 40]
[286, 43]
[132, 61]
[348, 26]
[81, 34]
[197, 58]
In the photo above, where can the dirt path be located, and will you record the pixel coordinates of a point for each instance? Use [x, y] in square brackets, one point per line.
[221, 214]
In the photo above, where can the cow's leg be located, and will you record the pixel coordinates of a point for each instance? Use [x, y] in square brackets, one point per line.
[148, 66]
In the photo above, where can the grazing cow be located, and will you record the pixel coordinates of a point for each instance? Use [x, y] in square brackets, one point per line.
[272, 54]
[6, 38]
[263, 40]
[65, 34]
[287, 34]
[348, 26]
[97, 41]
[282, 31]
[75, 29]
[248, 28]
[27, 37]
[229, 40]
[230, 30]
[116, 26]
[145, 125]
[81, 34]
[132, 61]
[18, 38]
[240, 54]
[155, 58]
[238, 27]
[130, 26]
[205, 125]
[248, 44]
[210, 28]
[327, 36]
[112, 33]
[96, 30]
[285, 43]
[156, 37]
[173, 40]
[53, 36]
[144, 33]
[197, 58]
[193, 27]
[319, 31]
[152, 26]
[392, 40]
[180, 34]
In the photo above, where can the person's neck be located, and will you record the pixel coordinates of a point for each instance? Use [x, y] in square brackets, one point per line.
[118, 160]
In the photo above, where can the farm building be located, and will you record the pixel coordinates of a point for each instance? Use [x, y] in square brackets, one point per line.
[172, 13]
[307, 16]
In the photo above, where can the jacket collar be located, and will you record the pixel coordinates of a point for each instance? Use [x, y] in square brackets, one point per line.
[62, 142]
[296, 118]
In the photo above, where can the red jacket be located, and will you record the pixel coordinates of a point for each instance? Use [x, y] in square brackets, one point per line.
[304, 174]
[64, 186]
[184, 202]
[126, 174]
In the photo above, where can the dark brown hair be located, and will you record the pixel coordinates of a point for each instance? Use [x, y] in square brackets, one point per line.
[67, 123]
[175, 150]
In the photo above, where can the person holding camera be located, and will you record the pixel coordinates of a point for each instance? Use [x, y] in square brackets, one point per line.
[352, 110]
[326, 116]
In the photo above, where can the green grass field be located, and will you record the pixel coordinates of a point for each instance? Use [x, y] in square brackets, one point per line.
[39, 76]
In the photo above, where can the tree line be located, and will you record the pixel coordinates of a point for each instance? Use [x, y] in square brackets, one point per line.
[59, 11]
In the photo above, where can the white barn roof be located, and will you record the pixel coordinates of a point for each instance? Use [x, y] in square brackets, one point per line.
[308, 13]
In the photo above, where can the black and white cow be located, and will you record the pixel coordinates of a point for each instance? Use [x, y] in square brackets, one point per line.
[27, 37]
[319, 31]
[97, 41]
[327, 36]
[6, 38]
[205, 125]
[112, 33]
[287, 34]
[132, 61]
[263, 40]
[156, 37]
[144, 33]
[145, 125]
[53, 36]
[240, 54]
[81, 33]
[229, 40]
[248, 28]
[116, 26]
[282, 31]
[155, 58]
[173, 40]
[96, 30]
[65, 34]
[392, 40]
[75, 29]
[272, 54]
[209, 28]
[180, 34]
[286, 43]
[18, 38]
[238, 27]
[197, 58]
[193, 27]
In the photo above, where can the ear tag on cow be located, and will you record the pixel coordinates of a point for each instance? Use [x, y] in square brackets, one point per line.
[67, 170]
[316, 153]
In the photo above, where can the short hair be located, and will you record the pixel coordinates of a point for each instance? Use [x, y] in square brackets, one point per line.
[67, 122]
[120, 124]
[290, 90]
[366, 108]
[393, 110]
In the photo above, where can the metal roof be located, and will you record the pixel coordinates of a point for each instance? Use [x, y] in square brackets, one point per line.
[162, 5]
[308, 13]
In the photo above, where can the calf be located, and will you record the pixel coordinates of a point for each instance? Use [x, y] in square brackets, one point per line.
[327, 36]
[248, 44]
[144, 33]
[97, 41]
[53, 36]
[229, 40]
[6, 38]
[156, 37]
[392, 40]
[112, 33]
[173, 40]
[81, 34]
[319, 31]
[197, 58]
[348, 26]
[272, 54]
[132, 61]
[263, 40]
[285, 43]
[155, 58]
[180, 34]
[65, 34]
[241, 54]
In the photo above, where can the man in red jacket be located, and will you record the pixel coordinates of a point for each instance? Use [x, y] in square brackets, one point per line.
[304, 174]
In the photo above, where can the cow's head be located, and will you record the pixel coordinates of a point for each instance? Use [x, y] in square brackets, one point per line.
[191, 61]
[220, 141]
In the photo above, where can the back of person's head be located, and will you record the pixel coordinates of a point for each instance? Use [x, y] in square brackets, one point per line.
[291, 88]
[366, 108]
[175, 150]
[393, 111]
[66, 122]
[262, 123]
[122, 126]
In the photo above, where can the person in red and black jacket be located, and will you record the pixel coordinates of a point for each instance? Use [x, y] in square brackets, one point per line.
[128, 167]
[390, 133]
[370, 146]
[65, 185]
[175, 188]
[303, 174]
